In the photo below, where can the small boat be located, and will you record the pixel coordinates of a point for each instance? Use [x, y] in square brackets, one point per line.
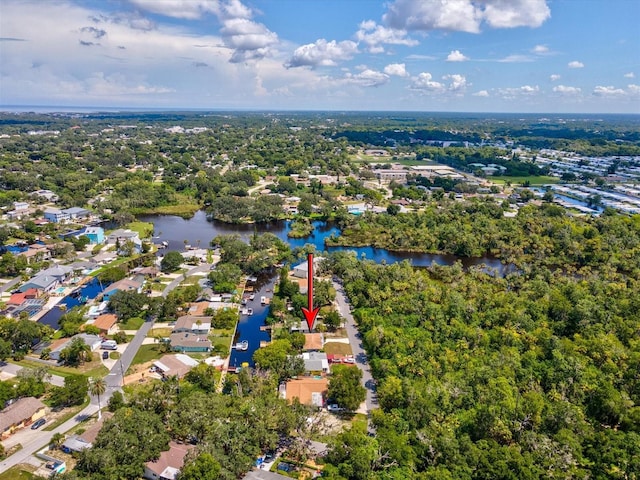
[249, 311]
[244, 301]
[252, 296]
[244, 311]
[244, 345]
[263, 300]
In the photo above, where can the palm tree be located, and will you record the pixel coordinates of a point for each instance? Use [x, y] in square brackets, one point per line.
[97, 387]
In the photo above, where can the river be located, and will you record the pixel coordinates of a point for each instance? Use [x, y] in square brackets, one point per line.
[198, 231]
[87, 292]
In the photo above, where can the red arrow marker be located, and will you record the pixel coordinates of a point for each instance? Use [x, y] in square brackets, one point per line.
[310, 313]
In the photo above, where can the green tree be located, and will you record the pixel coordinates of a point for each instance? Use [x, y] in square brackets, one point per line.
[171, 261]
[345, 388]
[97, 387]
[203, 467]
[127, 304]
[116, 401]
[74, 391]
[76, 353]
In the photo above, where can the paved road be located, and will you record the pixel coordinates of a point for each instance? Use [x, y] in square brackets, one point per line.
[13, 369]
[9, 285]
[204, 267]
[356, 345]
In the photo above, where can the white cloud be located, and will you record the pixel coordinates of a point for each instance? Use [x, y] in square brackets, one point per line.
[633, 90]
[610, 91]
[456, 56]
[575, 64]
[516, 59]
[458, 83]
[515, 92]
[415, 56]
[396, 69]
[540, 50]
[554, 77]
[322, 53]
[187, 9]
[249, 39]
[368, 78]
[630, 75]
[425, 82]
[567, 91]
[465, 15]
[481, 93]
[375, 36]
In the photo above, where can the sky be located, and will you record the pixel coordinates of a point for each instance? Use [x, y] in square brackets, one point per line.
[553, 56]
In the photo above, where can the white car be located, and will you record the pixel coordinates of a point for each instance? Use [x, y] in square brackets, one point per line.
[334, 407]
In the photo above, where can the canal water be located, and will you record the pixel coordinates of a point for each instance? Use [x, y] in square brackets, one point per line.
[87, 292]
[198, 231]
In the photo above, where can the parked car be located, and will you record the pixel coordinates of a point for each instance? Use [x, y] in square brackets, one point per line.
[38, 423]
[105, 355]
[334, 407]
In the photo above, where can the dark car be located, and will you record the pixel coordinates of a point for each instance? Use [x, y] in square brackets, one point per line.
[38, 423]
[105, 355]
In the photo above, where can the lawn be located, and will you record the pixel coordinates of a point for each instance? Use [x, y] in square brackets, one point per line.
[18, 472]
[147, 353]
[132, 324]
[338, 348]
[94, 368]
[515, 181]
[159, 332]
[144, 229]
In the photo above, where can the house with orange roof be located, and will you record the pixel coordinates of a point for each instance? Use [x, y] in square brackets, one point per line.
[308, 390]
[313, 341]
[107, 323]
[168, 465]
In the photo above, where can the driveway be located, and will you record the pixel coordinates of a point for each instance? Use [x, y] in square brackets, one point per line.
[10, 370]
[359, 353]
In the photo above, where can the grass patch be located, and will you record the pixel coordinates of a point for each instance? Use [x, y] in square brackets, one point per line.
[359, 420]
[159, 332]
[515, 181]
[73, 411]
[19, 472]
[132, 324]
[144, 229]
[337, 348]
[147, 353]
[94, 368]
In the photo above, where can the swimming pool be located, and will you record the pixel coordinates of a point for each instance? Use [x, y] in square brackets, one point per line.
[59, 291]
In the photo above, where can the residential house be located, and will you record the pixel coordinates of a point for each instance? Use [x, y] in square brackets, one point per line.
[193, 324]
[94, 234]
[315, 363]
[177, 364]
[77, 213]
[57, 346]
[19, 298]
[302, 270]
[199, 308]
[104, 257]
[189, 342]
[55, 215]
[124, 285]
[36, 253]
[77, 443]
[107, 323]
[48, 279]
[168, 465]
[19, 414]
[121, 236]
[308, 390]
[48, 195]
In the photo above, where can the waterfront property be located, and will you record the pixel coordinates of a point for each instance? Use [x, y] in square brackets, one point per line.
[193, 324]
[189, 342]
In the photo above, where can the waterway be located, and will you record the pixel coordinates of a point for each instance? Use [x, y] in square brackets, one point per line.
[87, 292]
[198, 231]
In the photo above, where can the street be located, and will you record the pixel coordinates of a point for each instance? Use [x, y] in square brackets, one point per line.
[356, 345]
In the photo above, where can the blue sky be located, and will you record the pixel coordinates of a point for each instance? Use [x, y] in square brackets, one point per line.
[555, 56]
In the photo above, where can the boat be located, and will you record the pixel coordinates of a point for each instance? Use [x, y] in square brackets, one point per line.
[244, 345]
[244, 311]
[249, 311]
[244, 301]
[263, 300]
[252, 296]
